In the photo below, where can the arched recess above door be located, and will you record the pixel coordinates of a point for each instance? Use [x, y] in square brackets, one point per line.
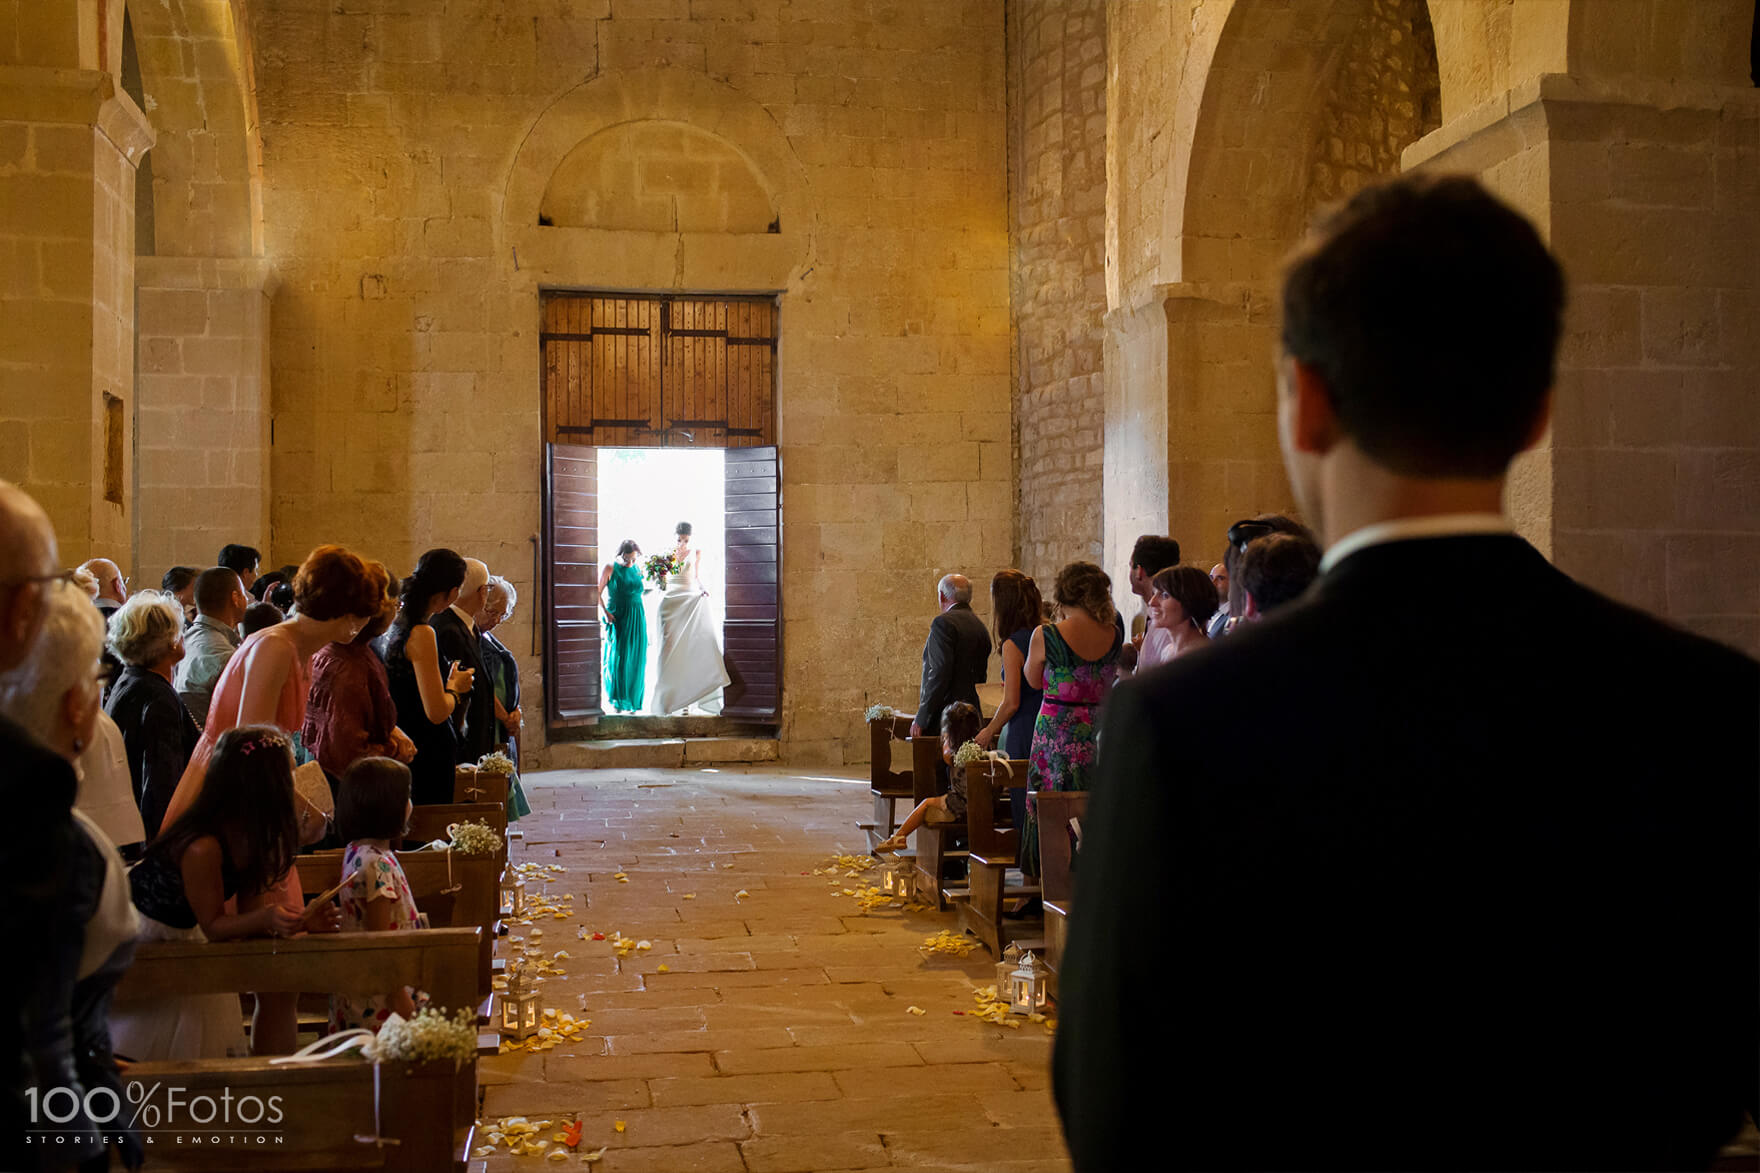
[584, 208]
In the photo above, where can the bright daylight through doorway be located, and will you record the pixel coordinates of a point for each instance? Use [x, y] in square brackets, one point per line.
[643, 494]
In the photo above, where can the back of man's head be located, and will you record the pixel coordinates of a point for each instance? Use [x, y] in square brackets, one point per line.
[1276, 570]
[238, 558]
[1431, 311]
[1243, 532]
[954, 588]
[27, 551]
[1154, 553]
[214, 591]
[476, 577]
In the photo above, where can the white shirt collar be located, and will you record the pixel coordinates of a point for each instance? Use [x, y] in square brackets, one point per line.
[1439, 525]
[462, 614]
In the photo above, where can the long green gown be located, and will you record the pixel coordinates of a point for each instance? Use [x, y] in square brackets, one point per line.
[626, 638]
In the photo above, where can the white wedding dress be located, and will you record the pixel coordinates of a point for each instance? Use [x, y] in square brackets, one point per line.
[691, 669]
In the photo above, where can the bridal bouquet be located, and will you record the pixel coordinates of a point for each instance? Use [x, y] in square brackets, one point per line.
[658, 566]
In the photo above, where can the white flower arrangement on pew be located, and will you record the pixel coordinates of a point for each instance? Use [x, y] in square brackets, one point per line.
[972, 753]
[496, 762]
[474, 839]
[881, 713]
[431, 1036]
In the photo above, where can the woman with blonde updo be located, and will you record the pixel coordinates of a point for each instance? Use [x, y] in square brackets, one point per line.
[1075, 662]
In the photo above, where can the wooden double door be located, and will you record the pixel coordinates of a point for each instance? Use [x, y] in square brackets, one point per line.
[653, 371]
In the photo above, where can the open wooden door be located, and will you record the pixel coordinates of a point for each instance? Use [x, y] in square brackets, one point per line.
[753, 633]
[571, 589]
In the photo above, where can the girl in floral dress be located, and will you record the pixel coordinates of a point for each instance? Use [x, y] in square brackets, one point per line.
[1075, 661]
[372, 812]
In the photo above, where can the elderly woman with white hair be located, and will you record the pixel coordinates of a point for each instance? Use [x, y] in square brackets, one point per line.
[158, 731]
[88, 932]
[503, 673]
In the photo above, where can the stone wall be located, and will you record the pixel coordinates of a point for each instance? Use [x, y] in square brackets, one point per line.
[1057, 174]
[398, 144]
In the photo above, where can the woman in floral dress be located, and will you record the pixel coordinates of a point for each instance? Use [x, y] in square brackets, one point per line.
[1075, 662]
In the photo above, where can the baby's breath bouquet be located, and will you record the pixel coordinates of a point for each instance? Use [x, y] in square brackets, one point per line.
[496, 763]
[968, 753]
[881, 713]
[431, 1035]
[474, 839]
[658, 566]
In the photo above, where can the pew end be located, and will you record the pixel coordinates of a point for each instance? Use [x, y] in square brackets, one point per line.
[885, 784]
[1057, 867]
[428, 1108]
[992, 878]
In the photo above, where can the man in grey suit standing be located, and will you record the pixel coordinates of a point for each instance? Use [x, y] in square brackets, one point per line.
[956, 656]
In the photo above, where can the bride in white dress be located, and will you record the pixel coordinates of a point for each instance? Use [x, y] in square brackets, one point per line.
[691, 669]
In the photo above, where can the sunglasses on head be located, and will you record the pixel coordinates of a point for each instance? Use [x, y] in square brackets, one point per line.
[1242, 532]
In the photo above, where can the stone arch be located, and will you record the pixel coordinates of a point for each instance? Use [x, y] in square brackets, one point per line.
[196, 71]
[735, 133]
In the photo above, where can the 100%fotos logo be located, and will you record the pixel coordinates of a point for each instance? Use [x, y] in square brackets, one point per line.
[175, 1109]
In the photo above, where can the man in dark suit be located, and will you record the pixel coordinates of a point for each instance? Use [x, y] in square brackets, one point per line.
[1364, 886]
[455, 633]
[956, 656]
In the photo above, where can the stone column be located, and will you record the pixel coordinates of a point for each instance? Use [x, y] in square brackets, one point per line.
[69, 145]
[1649, 487]
[203, 420]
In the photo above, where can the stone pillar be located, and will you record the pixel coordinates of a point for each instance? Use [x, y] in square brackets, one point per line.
[1649, 488]
[69, 145]
[203, 420]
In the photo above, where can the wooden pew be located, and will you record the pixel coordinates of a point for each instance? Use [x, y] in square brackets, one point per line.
[441, 961]
[470, 784]
[1056, 872]
[995, 842]
[476, 903]
[937, 845]
[427, 823]
[429, 1109]
[885, 784]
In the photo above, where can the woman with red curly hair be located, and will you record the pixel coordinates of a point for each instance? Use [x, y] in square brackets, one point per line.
[267, 682]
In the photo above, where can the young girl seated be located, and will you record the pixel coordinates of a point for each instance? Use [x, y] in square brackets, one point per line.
[960, 723]
[234, 843]
[372, 813]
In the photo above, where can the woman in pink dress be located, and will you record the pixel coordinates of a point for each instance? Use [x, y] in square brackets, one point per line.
[266, 682]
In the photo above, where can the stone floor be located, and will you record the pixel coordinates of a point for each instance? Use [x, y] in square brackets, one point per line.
[781, 1038]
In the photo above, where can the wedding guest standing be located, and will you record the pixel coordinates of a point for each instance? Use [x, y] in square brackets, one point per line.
[455, 633]
[620, 593]
[956, 656]
[267, 682]
[426, 697]
[503, 671]
[1015, 607]
[242, 561]
[221, 602]
[350, 714]
[1181, 604]
[159, 734]
[180, 582]
[1075, 660]
[59, 1023]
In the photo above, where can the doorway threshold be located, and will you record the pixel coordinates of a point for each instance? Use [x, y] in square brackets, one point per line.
[659, 753]
[618, 727]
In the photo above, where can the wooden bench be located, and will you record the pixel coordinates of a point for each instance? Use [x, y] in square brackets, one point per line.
[992, 878]
[428, 823]
[429, 1109]
[477, 902]
[441, 961]
[1056, 870]
[470, 784]
[889, 786]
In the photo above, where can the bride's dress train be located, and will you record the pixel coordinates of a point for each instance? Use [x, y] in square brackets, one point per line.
[691, 669]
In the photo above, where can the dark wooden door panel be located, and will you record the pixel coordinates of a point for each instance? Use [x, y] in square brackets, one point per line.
[752, 635]
[571, 596]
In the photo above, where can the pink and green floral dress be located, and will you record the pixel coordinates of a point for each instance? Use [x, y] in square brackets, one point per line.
[373, 875]
[1064, 736]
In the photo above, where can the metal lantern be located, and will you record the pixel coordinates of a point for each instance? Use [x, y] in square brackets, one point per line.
[1011, 960]
[513, 893]
[896, 877]
[1029, 986]
[522, 1006]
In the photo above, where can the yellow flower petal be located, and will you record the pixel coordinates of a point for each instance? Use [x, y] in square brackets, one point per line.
[664, 968]
[618, 1126]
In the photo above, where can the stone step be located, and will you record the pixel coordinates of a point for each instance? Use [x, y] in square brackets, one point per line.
[659, 753]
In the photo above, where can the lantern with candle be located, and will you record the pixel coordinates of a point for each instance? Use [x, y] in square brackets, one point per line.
[522, 1006]
[1029, 986]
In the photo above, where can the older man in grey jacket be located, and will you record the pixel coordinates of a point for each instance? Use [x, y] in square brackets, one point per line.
[956, 656]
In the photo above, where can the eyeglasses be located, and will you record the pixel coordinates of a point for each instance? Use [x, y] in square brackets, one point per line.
[65, 576]
[1243, 532]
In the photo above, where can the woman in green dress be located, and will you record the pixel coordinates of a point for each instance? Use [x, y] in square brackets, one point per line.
[626, 630]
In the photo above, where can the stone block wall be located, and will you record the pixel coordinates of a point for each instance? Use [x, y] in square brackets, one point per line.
[202, 433]
[405, 355]
[1057, 198]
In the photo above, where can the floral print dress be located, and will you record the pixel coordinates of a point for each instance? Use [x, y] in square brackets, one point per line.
[1064, 735]
[373, 875]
